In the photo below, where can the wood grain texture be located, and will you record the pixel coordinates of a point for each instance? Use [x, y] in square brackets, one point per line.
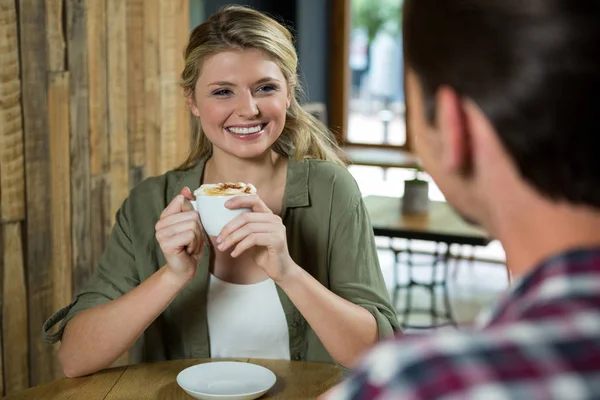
[96, 39]
[54, 35]
[2, 393]
[135, 80]
[152, 86]
[163, 377]
[12, 173]
[168, 83]
[60, 189]
[182, 113]
[39, 247]
[116, 12]
[69, 152]
[442, 223]
[136, 176]
[381, 157]
[295, 380]
[100, 218]
[14, 310]
[340, 69]
[300, 380]
[77, 34]
[94, 387]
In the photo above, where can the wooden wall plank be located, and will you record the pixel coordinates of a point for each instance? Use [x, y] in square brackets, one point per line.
[135, 80]
[2, 393]
[14, 310]
[12, 174]
[55, 36]
[168, 83]
[97, 62]
[58, 124]
[83, 125]
[182, 27]
[100, 217]
[136, 176]
[152, 86]
[35, 124]
[116, 12]
[339, 90]
[80, 119]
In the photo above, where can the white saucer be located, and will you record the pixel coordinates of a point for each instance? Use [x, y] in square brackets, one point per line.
[226, 380]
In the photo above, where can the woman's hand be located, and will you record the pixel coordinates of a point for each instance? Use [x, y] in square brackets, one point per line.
[180, 235]
[260, 232]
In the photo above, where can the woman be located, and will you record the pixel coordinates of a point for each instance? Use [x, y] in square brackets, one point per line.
[296, 278]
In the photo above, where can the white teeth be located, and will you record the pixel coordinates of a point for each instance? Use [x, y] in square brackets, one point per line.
[245, 131]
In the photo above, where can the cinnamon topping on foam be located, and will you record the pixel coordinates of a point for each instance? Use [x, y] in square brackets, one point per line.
[225, 189]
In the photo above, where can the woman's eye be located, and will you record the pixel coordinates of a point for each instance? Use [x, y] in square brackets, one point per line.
[266, 88]
[222, 92]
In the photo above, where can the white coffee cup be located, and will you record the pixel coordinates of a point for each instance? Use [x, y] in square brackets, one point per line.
[213, 213]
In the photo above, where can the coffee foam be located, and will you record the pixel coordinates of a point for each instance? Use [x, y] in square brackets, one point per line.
[225, 189]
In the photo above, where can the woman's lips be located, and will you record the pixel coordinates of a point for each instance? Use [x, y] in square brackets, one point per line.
[246, 130]
[246, 133]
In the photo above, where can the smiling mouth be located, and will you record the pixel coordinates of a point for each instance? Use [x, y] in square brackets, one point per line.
[247, 130]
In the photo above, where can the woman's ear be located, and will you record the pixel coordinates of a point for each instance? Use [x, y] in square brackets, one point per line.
[192, 105]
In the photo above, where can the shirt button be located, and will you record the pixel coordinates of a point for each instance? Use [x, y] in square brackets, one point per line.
[297, 357]
[295, 323]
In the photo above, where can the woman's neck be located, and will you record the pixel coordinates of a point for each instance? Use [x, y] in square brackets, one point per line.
[222, 167]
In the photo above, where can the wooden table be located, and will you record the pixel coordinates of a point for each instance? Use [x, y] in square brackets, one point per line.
[441, 225]
[380, 156]
[295, 380]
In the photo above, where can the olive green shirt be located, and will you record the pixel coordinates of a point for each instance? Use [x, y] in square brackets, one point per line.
[328, 232]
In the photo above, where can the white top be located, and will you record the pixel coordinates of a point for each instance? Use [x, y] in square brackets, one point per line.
[246, 321]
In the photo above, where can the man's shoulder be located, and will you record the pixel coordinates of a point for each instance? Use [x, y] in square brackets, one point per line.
[510, 359]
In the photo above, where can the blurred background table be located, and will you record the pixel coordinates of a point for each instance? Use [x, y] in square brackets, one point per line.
[442, 226]
[295, 380]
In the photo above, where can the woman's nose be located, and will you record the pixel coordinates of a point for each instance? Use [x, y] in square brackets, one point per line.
[247, 106]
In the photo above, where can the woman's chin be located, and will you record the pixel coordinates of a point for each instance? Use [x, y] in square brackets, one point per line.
[249, 151]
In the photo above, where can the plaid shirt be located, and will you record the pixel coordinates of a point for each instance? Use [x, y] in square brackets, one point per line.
[541, 341]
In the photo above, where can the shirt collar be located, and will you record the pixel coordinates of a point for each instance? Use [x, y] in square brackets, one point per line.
[296, 187]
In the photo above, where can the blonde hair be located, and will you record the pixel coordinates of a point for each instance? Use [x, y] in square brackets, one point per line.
[241, 28]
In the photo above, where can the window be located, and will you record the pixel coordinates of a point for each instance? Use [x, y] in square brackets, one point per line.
[367, 108]
[376, 103]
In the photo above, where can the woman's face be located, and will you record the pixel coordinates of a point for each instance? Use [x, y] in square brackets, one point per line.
[241, 98]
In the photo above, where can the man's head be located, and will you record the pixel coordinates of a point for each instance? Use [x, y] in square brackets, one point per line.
[505, 93]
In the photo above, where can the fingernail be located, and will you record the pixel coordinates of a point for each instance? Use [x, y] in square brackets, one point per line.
[220, 247]
[219, 239]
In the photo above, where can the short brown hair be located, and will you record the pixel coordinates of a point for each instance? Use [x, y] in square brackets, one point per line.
[533, 67]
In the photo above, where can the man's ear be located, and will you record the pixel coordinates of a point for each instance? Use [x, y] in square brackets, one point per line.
[192, 104]
[452, 124]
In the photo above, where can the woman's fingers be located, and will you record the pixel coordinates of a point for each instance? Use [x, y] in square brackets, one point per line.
[180, 203]
[246, 230]
[252, 240]
[176, 219]
[182, 241]
[175, 229]
[187, 193]
[252, 201]
[247, 218]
